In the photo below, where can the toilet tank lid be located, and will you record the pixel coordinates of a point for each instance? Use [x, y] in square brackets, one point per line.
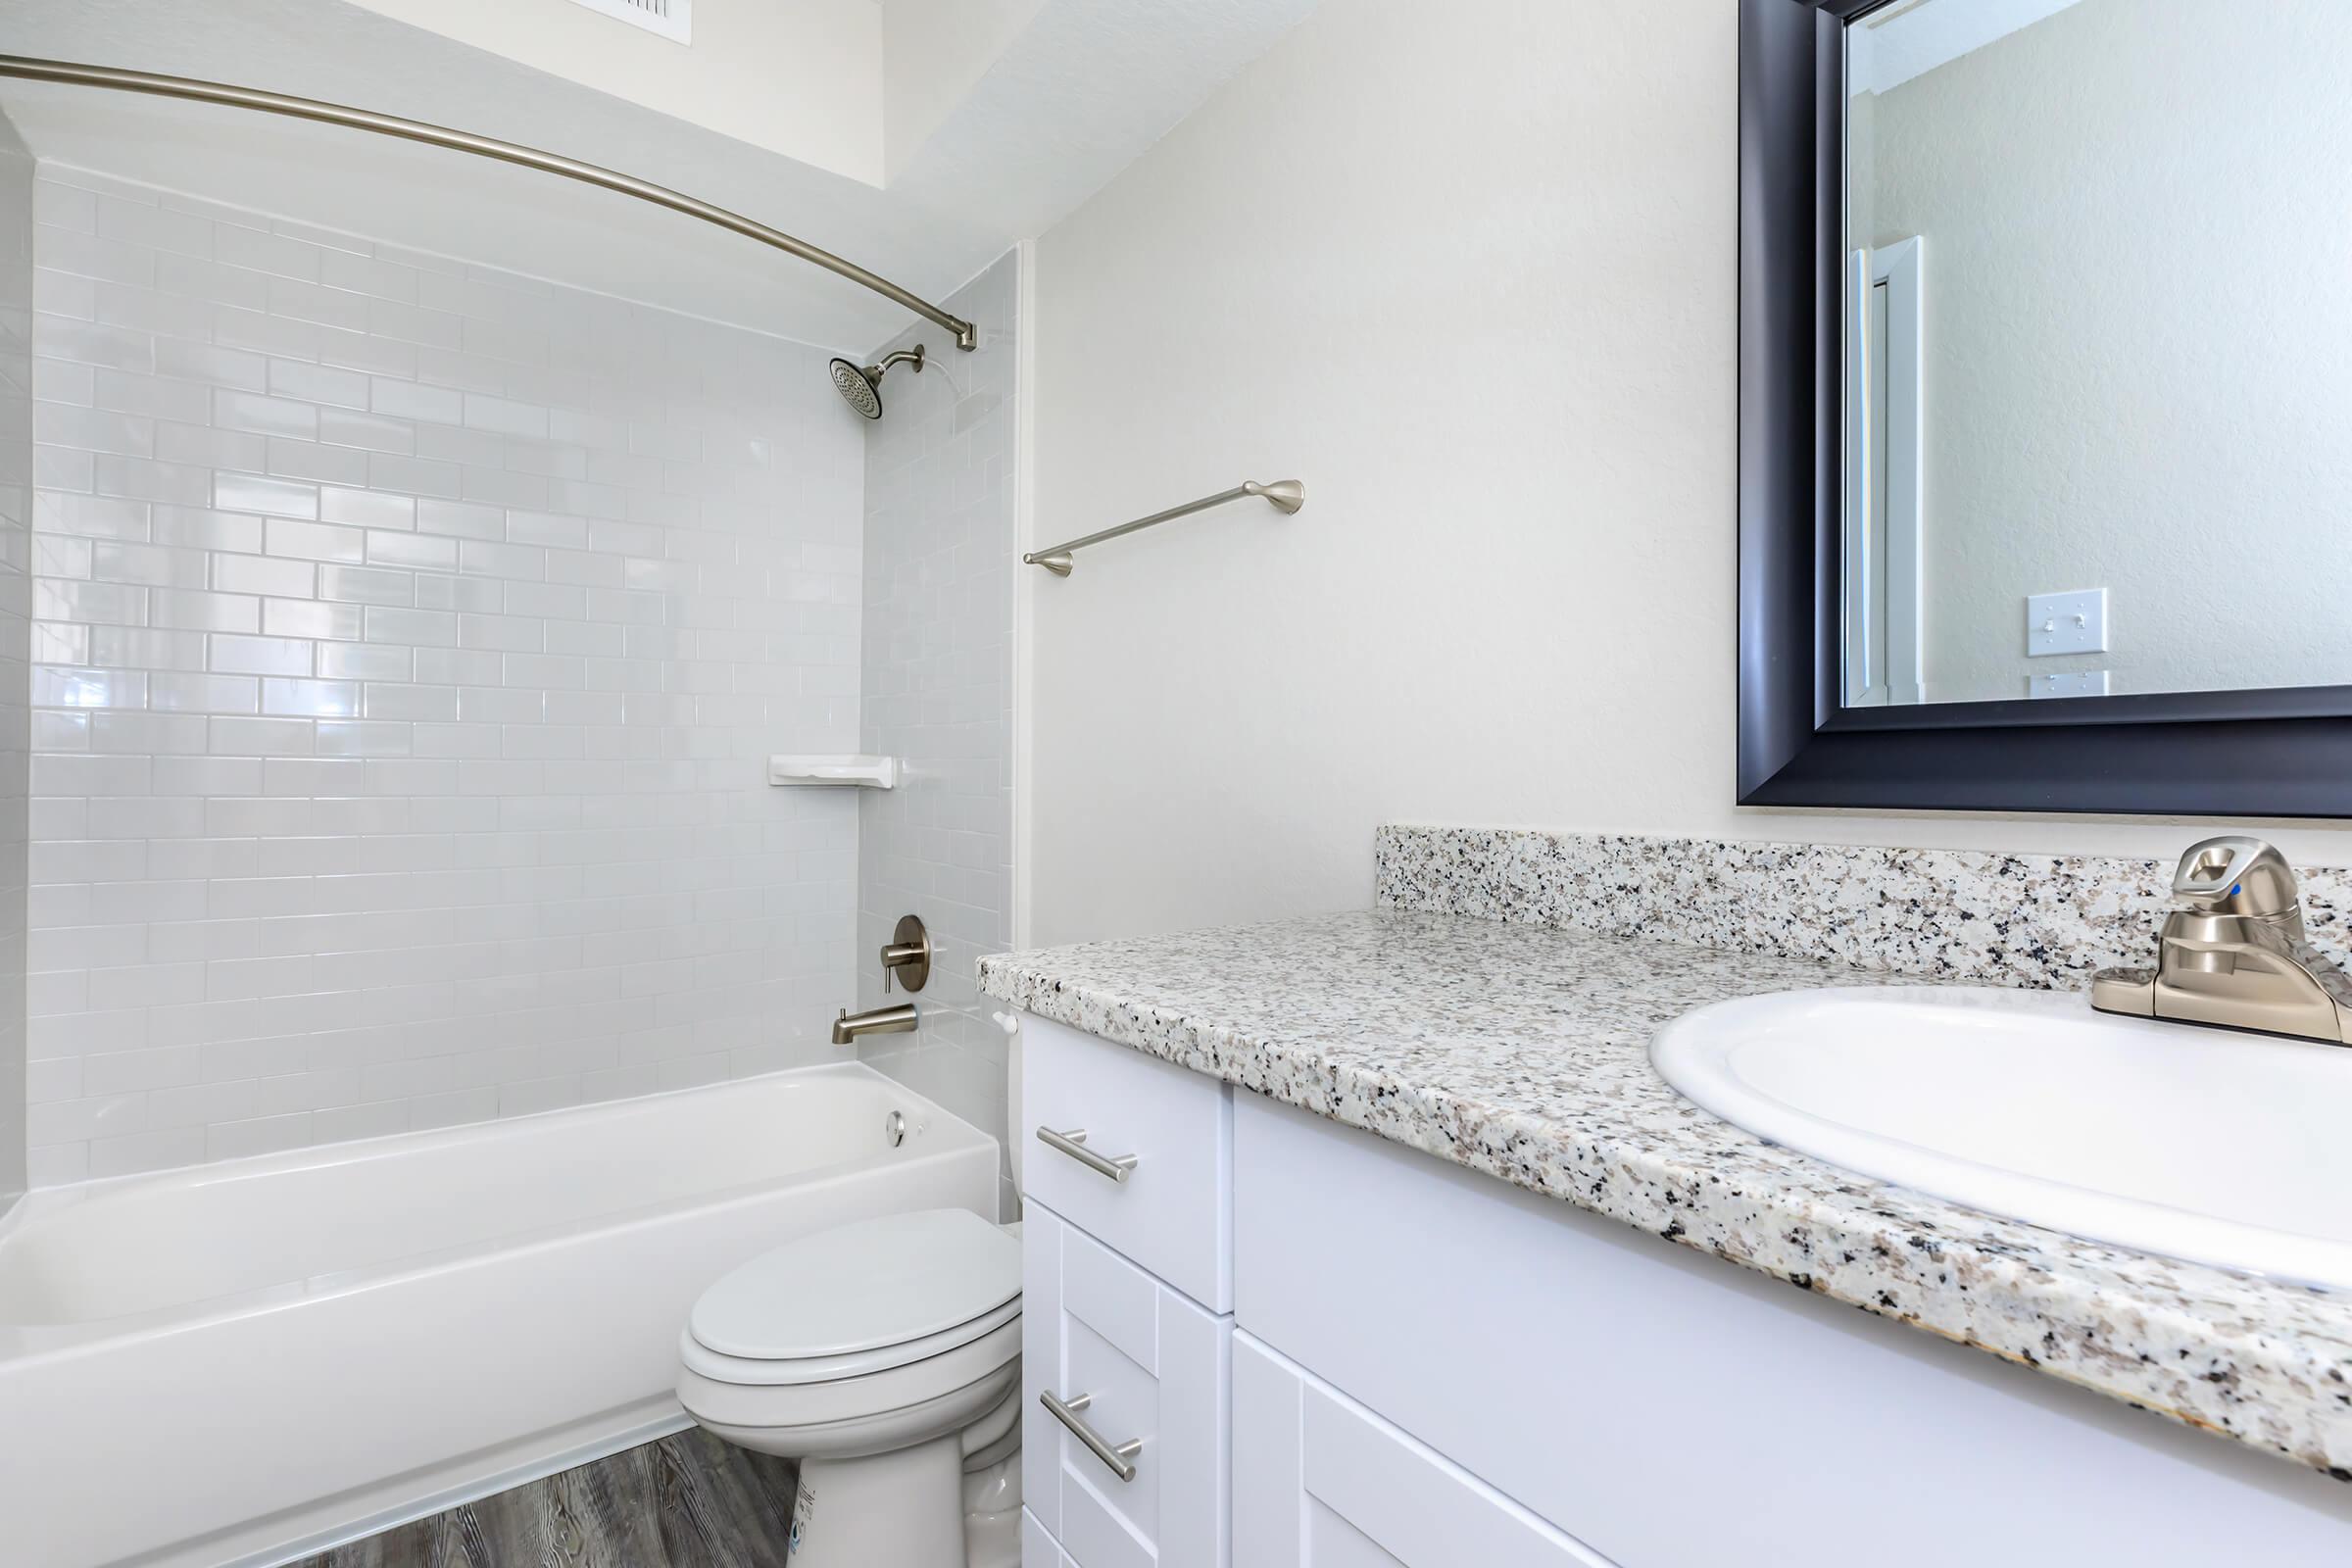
[861, 1287]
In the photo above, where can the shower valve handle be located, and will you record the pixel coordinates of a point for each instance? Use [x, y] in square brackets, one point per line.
[907, 954]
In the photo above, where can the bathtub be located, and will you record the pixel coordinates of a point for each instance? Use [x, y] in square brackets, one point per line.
[244, 1362]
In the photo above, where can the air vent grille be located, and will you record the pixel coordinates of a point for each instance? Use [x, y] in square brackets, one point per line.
[671, 19]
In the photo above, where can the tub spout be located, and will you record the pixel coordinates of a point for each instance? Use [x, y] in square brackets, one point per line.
[898, 1021]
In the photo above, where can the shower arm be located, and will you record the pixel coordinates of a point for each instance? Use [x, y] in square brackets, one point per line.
[967, 336]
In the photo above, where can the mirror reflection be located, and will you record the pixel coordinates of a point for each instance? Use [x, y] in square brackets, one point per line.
[2097, 348]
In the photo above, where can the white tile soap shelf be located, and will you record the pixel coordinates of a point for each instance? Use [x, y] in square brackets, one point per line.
[833, 769]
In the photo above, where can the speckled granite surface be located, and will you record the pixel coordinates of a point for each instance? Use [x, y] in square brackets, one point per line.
[2000, 919]
[1521, 1050]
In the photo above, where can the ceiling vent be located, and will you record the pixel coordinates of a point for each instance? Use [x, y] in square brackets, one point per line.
[671, 19]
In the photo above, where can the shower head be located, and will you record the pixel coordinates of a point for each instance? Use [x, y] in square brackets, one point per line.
[860, 386]
[857, 387]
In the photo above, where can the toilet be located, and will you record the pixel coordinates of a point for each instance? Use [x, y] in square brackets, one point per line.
[885, 1356]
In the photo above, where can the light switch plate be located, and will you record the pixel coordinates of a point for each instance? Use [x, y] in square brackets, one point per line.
[2071, 622]
[2081, 683]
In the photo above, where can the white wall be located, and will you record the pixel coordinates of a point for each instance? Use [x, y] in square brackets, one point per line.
[2125, 388]
[801, 77]
[1468, 270]
[937, 692]
[410, 638]
[15, 603]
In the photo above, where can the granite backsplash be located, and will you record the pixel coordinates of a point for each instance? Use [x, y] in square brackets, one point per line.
[2034, 920]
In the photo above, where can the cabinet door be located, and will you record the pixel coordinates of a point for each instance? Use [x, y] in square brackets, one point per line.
[1320, 1482]
[1143, 1364]
[1038, 1549]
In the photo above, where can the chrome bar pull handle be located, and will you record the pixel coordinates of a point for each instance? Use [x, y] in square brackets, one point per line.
[1119, 1456]
[1118, 1167]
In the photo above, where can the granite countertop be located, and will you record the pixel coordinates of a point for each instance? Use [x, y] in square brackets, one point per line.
[1521, 1052]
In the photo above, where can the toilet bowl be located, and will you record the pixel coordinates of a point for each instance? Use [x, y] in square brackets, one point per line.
[885, 1356]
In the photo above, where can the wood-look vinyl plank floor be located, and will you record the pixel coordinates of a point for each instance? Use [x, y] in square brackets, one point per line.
[684, 1501]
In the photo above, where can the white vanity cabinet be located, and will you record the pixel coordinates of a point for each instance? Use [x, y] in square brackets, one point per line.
[1146, 1367]
[1134, 1152]
[1126, 1310]
[1427, 1366]
[1320, 1482]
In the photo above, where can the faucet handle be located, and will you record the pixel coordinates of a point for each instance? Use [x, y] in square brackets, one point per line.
[2235, 874]
[907, 954]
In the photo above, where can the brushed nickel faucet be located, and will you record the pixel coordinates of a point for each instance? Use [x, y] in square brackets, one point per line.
[898, 1021]
[2234, 956]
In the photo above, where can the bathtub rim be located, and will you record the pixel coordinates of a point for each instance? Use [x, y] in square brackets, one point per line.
[20, 1343]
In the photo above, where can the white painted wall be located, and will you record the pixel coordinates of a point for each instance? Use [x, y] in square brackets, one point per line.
[411, 638]
[15, 603]
[801, 77]
[1468, 270]
[2136, 327]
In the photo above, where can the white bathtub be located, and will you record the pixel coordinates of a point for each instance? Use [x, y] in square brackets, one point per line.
[242, 1362]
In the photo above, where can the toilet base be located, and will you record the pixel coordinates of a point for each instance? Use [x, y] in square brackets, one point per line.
[992, 1539]
[913, 1507]
[903, 1507]
[868, 1498]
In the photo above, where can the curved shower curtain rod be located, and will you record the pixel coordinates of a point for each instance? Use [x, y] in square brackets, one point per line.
[967, 336]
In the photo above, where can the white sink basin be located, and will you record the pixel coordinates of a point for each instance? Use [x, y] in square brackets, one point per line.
[2203, 1144]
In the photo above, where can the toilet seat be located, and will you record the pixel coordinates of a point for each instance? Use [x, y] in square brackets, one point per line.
[973, 1375]
[765, 1371]
[857, 1300]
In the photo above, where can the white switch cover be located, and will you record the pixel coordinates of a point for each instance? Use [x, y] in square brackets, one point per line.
[2073, 623]
[2082, 683]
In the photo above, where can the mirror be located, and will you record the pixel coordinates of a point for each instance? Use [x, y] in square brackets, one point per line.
[2096, 301]
[2045, 364]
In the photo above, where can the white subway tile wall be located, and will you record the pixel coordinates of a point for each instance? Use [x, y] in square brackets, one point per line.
[15, 603]
[938, 689]
[409, 641]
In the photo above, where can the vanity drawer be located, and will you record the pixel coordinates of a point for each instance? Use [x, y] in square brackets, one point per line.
[1038, 1548]
[1320, 1482]
[1140, 1364]
[1152, 1175]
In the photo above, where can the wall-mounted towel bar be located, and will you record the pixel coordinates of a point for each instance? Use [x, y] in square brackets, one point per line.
[1284, 495]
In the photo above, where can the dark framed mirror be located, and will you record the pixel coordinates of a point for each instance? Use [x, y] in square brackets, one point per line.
[2045, 445]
